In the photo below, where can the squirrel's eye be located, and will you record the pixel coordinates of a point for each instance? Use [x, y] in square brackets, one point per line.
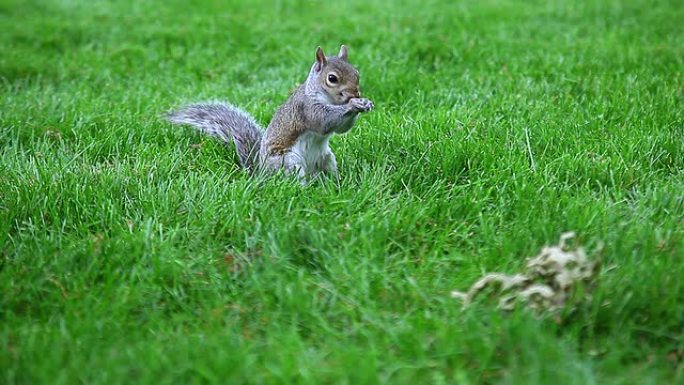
[332, 79]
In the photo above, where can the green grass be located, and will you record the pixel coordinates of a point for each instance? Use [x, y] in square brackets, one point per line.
[134, 252]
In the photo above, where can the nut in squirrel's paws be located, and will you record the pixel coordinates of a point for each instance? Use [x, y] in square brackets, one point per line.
[361, 104]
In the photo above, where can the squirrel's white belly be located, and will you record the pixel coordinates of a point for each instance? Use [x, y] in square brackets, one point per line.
[311, 153]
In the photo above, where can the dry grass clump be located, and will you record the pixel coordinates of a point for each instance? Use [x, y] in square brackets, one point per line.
[548, 281]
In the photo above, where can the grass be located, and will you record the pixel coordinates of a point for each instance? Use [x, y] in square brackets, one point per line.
[136, 252]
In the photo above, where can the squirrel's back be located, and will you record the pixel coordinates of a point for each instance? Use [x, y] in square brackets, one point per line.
[286, 126]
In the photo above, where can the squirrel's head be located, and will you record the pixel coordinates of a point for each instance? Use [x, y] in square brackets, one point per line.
[337, 80]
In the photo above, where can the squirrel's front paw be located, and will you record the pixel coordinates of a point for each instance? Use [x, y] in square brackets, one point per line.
[361, 104]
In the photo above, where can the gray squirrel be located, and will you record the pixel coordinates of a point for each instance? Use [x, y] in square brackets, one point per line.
[296, 140]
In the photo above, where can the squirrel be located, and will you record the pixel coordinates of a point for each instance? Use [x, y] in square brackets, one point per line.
[296, 140]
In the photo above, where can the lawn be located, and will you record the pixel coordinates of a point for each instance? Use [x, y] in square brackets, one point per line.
[136, 252]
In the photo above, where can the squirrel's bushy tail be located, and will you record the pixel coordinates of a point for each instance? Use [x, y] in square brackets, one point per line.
[224, 121]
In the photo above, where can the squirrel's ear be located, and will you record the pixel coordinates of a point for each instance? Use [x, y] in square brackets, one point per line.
[344, 52]
[320, 59]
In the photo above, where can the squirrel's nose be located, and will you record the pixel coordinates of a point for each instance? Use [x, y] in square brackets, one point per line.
[350, 94]
[355, 93]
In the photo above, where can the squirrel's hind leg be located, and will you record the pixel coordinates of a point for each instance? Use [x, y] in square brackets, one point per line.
[325, 168]
[287, 164]
[329, 165]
